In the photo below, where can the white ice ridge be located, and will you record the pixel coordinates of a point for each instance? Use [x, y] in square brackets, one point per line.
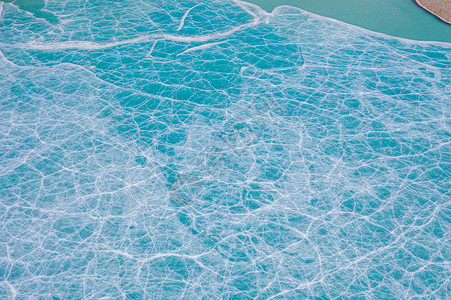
[3, 58]
[182, 20]
[88, 45]
[252, 9]
[201, 47]
[82, 45]
[12, 289]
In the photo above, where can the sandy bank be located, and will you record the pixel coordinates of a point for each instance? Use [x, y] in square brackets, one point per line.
[439, 8]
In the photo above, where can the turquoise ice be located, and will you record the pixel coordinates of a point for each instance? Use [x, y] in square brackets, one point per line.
[209, 150]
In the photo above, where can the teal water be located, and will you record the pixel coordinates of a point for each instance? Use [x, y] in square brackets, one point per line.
[400, 18]
[209, 150]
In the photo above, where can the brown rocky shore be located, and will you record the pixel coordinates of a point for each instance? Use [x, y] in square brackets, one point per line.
[439, 8]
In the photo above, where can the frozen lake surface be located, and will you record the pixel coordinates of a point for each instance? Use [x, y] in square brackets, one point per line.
[209, 150]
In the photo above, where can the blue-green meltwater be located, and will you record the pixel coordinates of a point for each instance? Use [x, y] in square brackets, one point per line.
[400, 18]
[189, 149]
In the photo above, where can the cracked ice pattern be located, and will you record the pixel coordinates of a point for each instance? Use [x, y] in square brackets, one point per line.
[207, 150]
